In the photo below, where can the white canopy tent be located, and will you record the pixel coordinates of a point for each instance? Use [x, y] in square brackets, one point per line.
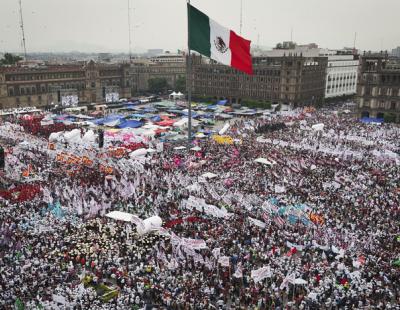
[175, 96]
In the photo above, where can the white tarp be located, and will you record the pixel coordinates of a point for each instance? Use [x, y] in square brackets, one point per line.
[224, 129]
[150, 224]
[120, 216]
[89, 137]
[73, 136]
[138, 153]
[54, 136]
[279, 189]
[318, 127]
[263, 161]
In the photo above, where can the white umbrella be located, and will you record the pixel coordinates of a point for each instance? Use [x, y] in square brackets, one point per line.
[179, 148]
[300, 281]
[209, 175]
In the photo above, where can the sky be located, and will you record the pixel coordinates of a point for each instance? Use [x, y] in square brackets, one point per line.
[102, 25]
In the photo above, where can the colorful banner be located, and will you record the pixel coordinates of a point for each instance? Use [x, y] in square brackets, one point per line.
[222, 139]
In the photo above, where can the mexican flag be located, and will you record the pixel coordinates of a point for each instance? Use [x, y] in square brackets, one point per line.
[217, 42]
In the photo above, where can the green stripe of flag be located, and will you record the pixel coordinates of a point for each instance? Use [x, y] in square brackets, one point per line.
[199, 31]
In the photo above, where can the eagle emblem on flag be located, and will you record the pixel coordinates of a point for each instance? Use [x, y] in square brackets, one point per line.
[220, 45]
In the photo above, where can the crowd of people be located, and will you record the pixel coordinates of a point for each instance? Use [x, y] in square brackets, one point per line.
[315, 225]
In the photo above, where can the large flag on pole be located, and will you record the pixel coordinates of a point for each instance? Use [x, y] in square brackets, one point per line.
[217, 42]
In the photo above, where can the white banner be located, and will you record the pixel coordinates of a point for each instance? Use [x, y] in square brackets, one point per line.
[257, 222]
[261, 273]
[224, 261]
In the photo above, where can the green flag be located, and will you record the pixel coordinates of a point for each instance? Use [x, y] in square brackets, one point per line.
[19, 305]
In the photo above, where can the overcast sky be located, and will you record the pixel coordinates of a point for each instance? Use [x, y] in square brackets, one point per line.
[102, 25]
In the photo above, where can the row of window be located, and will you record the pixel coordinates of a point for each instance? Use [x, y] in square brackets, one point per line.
[380, 91]
[47, 76]
[382, 104]
[341, 90]
[340, 85]
[342, 77]
[32, 90]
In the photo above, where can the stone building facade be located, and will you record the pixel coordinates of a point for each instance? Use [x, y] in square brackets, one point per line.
[291, 79]
[378, 87]
[43, 85]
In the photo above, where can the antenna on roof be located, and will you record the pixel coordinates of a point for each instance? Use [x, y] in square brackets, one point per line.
[291, 34]
[22, 28]
[354, 43]
[129, 29]
[241, 16]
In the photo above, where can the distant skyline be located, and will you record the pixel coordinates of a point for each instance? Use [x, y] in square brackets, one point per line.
[102, 25]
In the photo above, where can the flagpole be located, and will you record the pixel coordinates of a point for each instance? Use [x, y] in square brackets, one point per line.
[189, 81]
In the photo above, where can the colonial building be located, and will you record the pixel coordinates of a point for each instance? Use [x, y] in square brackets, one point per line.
[341, 74]
[379, 86]
[342, 69]
[41, 86]
[290, 79]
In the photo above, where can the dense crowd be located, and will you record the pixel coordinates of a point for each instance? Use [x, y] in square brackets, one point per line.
[316, 225]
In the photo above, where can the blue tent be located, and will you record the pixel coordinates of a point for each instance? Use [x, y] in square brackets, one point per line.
[130, 103]
[368, 120]
[149, 110]
[136, 115]
[155, 118]
[187, 114]
[211, 107]
[222, 102]
[130, 124]
[206, 115]
[108, 119]
[99, 121]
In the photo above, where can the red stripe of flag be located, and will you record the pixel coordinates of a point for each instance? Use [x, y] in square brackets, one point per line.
[240, 49]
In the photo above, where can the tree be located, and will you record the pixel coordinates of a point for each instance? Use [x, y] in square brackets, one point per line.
[158, 85]
[256, 104]
[180, 84]
[389, 118]
[10, 59]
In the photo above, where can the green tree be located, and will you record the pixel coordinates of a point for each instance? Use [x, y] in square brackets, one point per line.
[180, 84]
[389, 118]
[10, 59]
[158, 85]
[256, 104]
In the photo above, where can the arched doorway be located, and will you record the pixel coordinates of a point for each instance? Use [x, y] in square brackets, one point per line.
[364, 114]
